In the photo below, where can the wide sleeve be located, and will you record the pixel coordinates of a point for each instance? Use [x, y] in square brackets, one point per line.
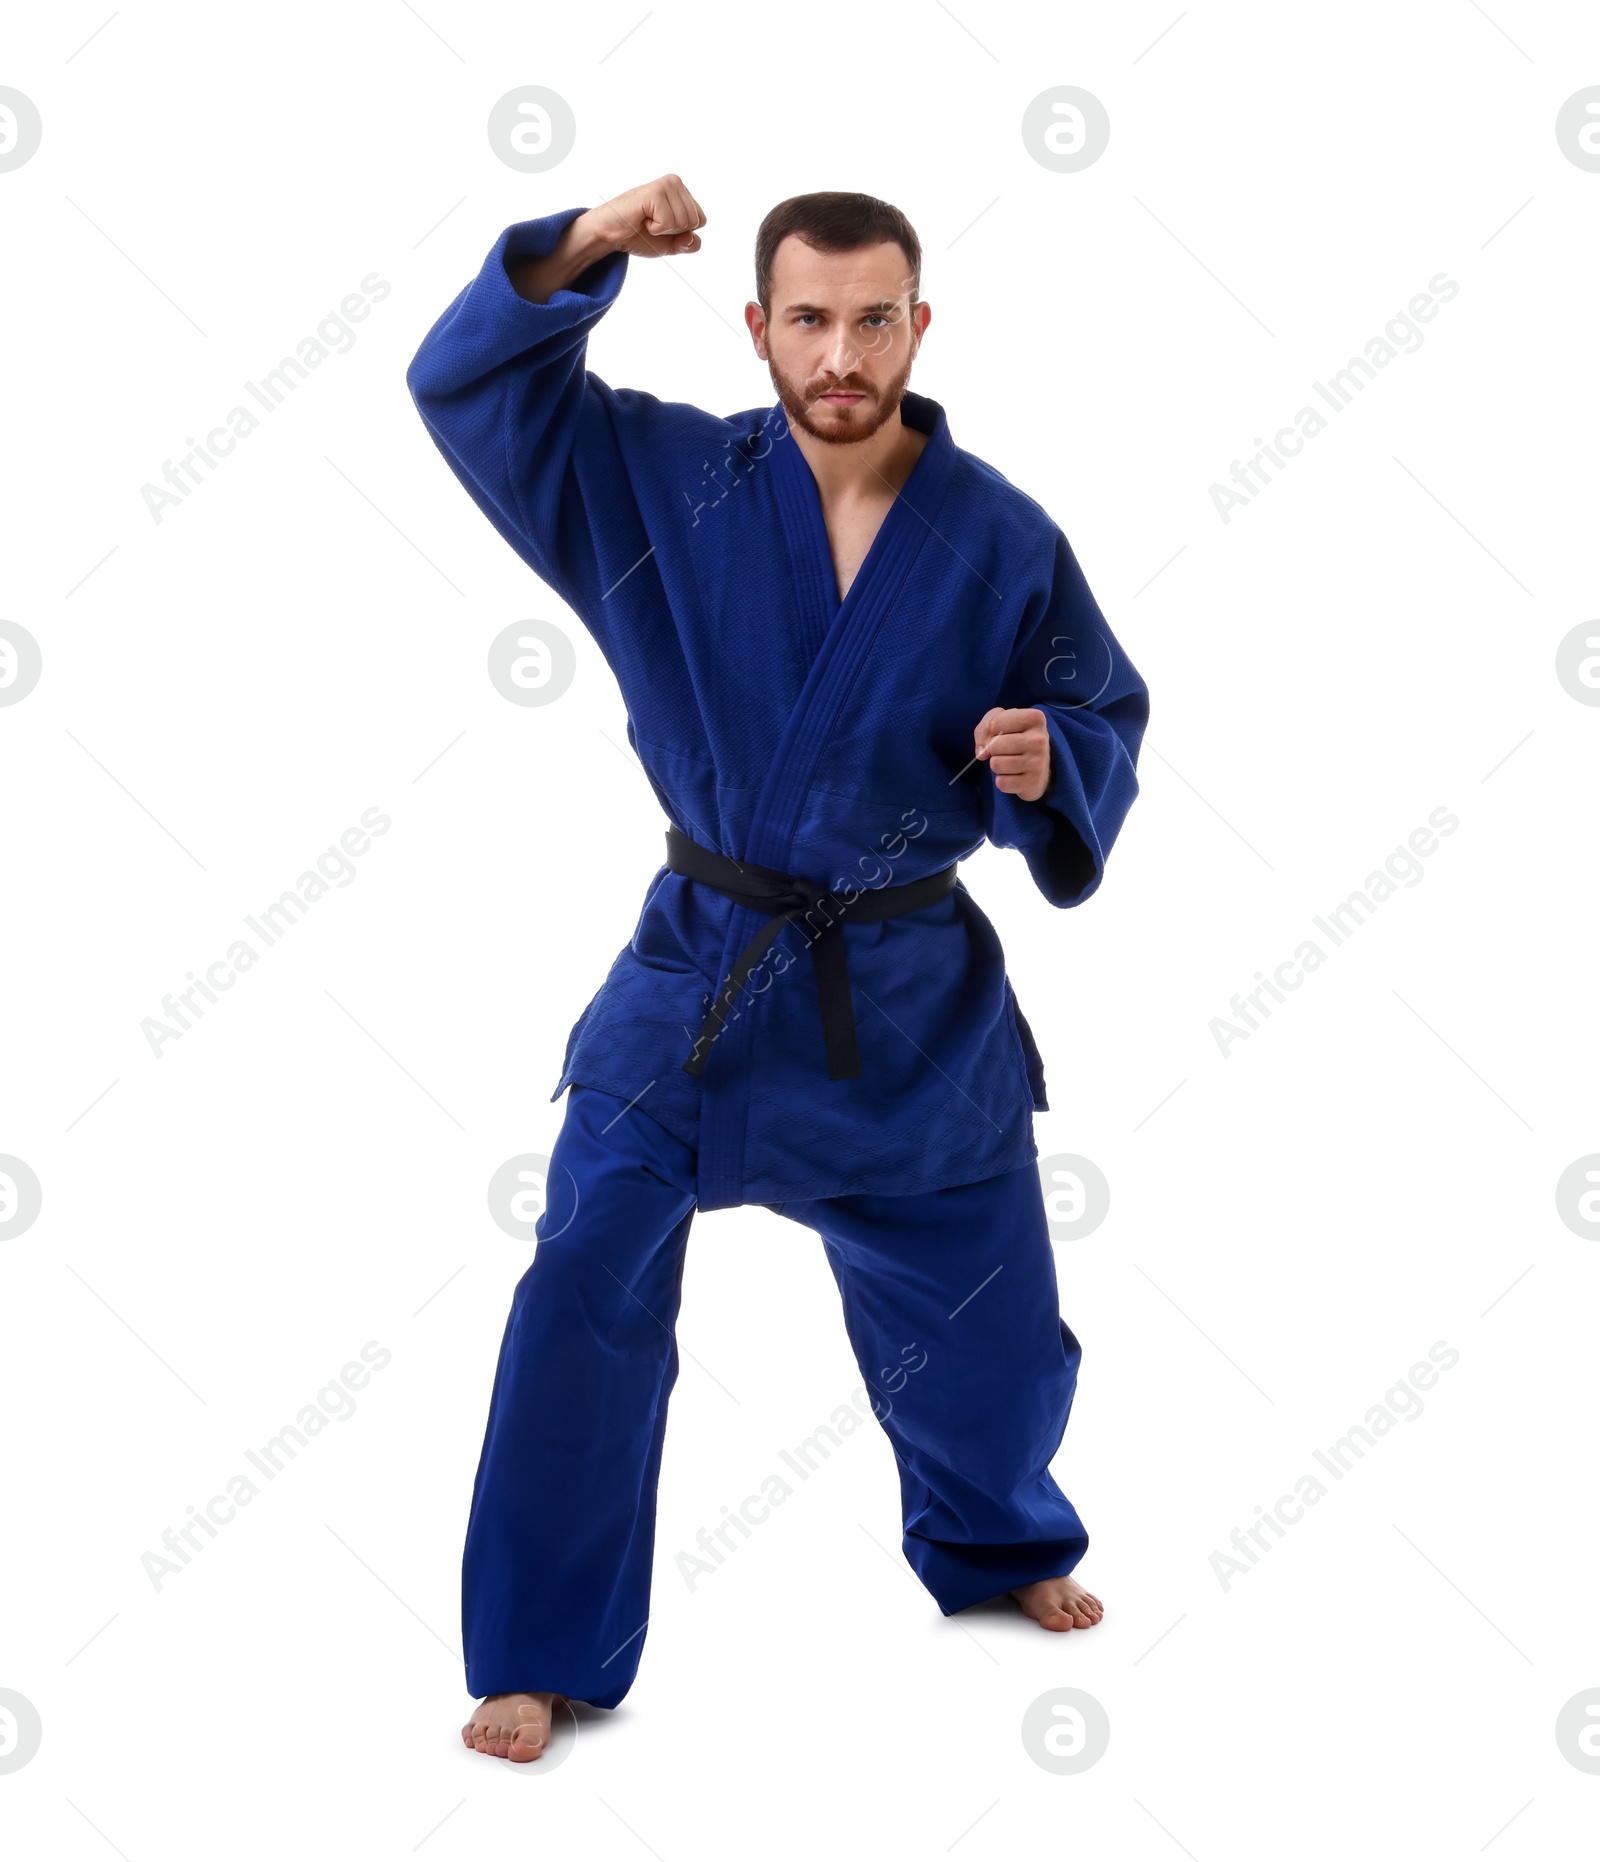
[501, 386]
[1067, 662]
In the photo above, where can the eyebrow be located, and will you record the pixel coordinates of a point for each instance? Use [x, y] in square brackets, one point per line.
[880, 308]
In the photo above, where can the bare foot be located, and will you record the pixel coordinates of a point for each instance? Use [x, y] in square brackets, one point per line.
[1060, 1603]
[512, 1726]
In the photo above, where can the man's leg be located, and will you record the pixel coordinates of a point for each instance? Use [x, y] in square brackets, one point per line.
[951, 1305]
[556, 1569]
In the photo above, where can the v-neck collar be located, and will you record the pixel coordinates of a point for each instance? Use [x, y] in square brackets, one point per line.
[800, 501]
[839, 634]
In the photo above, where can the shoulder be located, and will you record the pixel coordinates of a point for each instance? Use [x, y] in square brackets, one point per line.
[675, 440]
[1018, 523]
[647, 415]
[991, 489]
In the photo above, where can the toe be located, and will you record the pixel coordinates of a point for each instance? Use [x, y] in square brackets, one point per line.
[531, 1734]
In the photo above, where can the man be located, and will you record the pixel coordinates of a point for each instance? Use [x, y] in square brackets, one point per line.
[849, 652]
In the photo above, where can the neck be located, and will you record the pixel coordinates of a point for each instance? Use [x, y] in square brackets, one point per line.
[865, 466]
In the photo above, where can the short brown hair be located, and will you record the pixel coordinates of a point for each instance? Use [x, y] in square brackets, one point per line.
[834, 222]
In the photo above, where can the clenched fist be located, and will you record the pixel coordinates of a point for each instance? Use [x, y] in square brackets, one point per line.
[650, 221]
[653, 221]
[1016, 745]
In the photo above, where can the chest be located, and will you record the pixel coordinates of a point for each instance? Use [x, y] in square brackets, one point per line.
[852, 526]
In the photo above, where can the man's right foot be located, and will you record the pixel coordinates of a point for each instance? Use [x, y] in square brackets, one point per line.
[512, 1726]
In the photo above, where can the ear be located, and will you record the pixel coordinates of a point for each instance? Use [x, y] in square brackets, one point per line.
[756, 322]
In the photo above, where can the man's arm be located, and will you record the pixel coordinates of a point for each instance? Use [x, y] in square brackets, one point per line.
[502, 385]
[1064, 738]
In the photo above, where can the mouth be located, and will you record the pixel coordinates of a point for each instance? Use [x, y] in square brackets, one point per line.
[841, 397]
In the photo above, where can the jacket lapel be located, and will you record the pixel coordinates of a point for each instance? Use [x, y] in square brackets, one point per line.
[842, 632]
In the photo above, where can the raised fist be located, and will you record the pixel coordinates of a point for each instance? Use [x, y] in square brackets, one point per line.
[654, 220]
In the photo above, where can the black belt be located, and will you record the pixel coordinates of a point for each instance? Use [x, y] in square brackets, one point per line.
[787, 898]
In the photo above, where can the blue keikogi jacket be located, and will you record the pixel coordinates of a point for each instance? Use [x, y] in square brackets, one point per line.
[778, 725]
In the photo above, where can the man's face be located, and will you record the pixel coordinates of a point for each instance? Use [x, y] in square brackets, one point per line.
[842, 336]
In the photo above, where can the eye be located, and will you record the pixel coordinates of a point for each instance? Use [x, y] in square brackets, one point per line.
[805, 315]
[877, 316]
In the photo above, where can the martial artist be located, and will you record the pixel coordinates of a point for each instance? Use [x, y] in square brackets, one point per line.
[849, 652]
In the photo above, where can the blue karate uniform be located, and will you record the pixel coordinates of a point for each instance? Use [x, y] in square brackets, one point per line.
[830, 742]
[780, 726]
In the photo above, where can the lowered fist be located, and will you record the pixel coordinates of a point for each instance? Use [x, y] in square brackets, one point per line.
[1016, 745]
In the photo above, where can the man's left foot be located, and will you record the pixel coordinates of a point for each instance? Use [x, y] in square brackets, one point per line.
[1060, 1603]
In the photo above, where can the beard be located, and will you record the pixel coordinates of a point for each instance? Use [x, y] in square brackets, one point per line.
[840, 426]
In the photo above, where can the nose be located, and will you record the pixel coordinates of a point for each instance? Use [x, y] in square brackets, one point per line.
[843, 355]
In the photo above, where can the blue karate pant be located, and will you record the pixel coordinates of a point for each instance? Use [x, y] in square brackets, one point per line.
[556, 1569]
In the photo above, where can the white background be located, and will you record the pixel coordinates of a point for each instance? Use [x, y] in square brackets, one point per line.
[226, 691]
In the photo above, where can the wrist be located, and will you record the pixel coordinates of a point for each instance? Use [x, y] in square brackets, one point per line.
[593, 235]
[580, 245]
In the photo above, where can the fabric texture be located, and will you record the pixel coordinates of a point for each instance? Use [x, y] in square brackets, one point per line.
[780, 726]
[951, 1305]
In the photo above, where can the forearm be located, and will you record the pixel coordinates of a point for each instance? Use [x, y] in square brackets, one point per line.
[501, 385]
[583, 243]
